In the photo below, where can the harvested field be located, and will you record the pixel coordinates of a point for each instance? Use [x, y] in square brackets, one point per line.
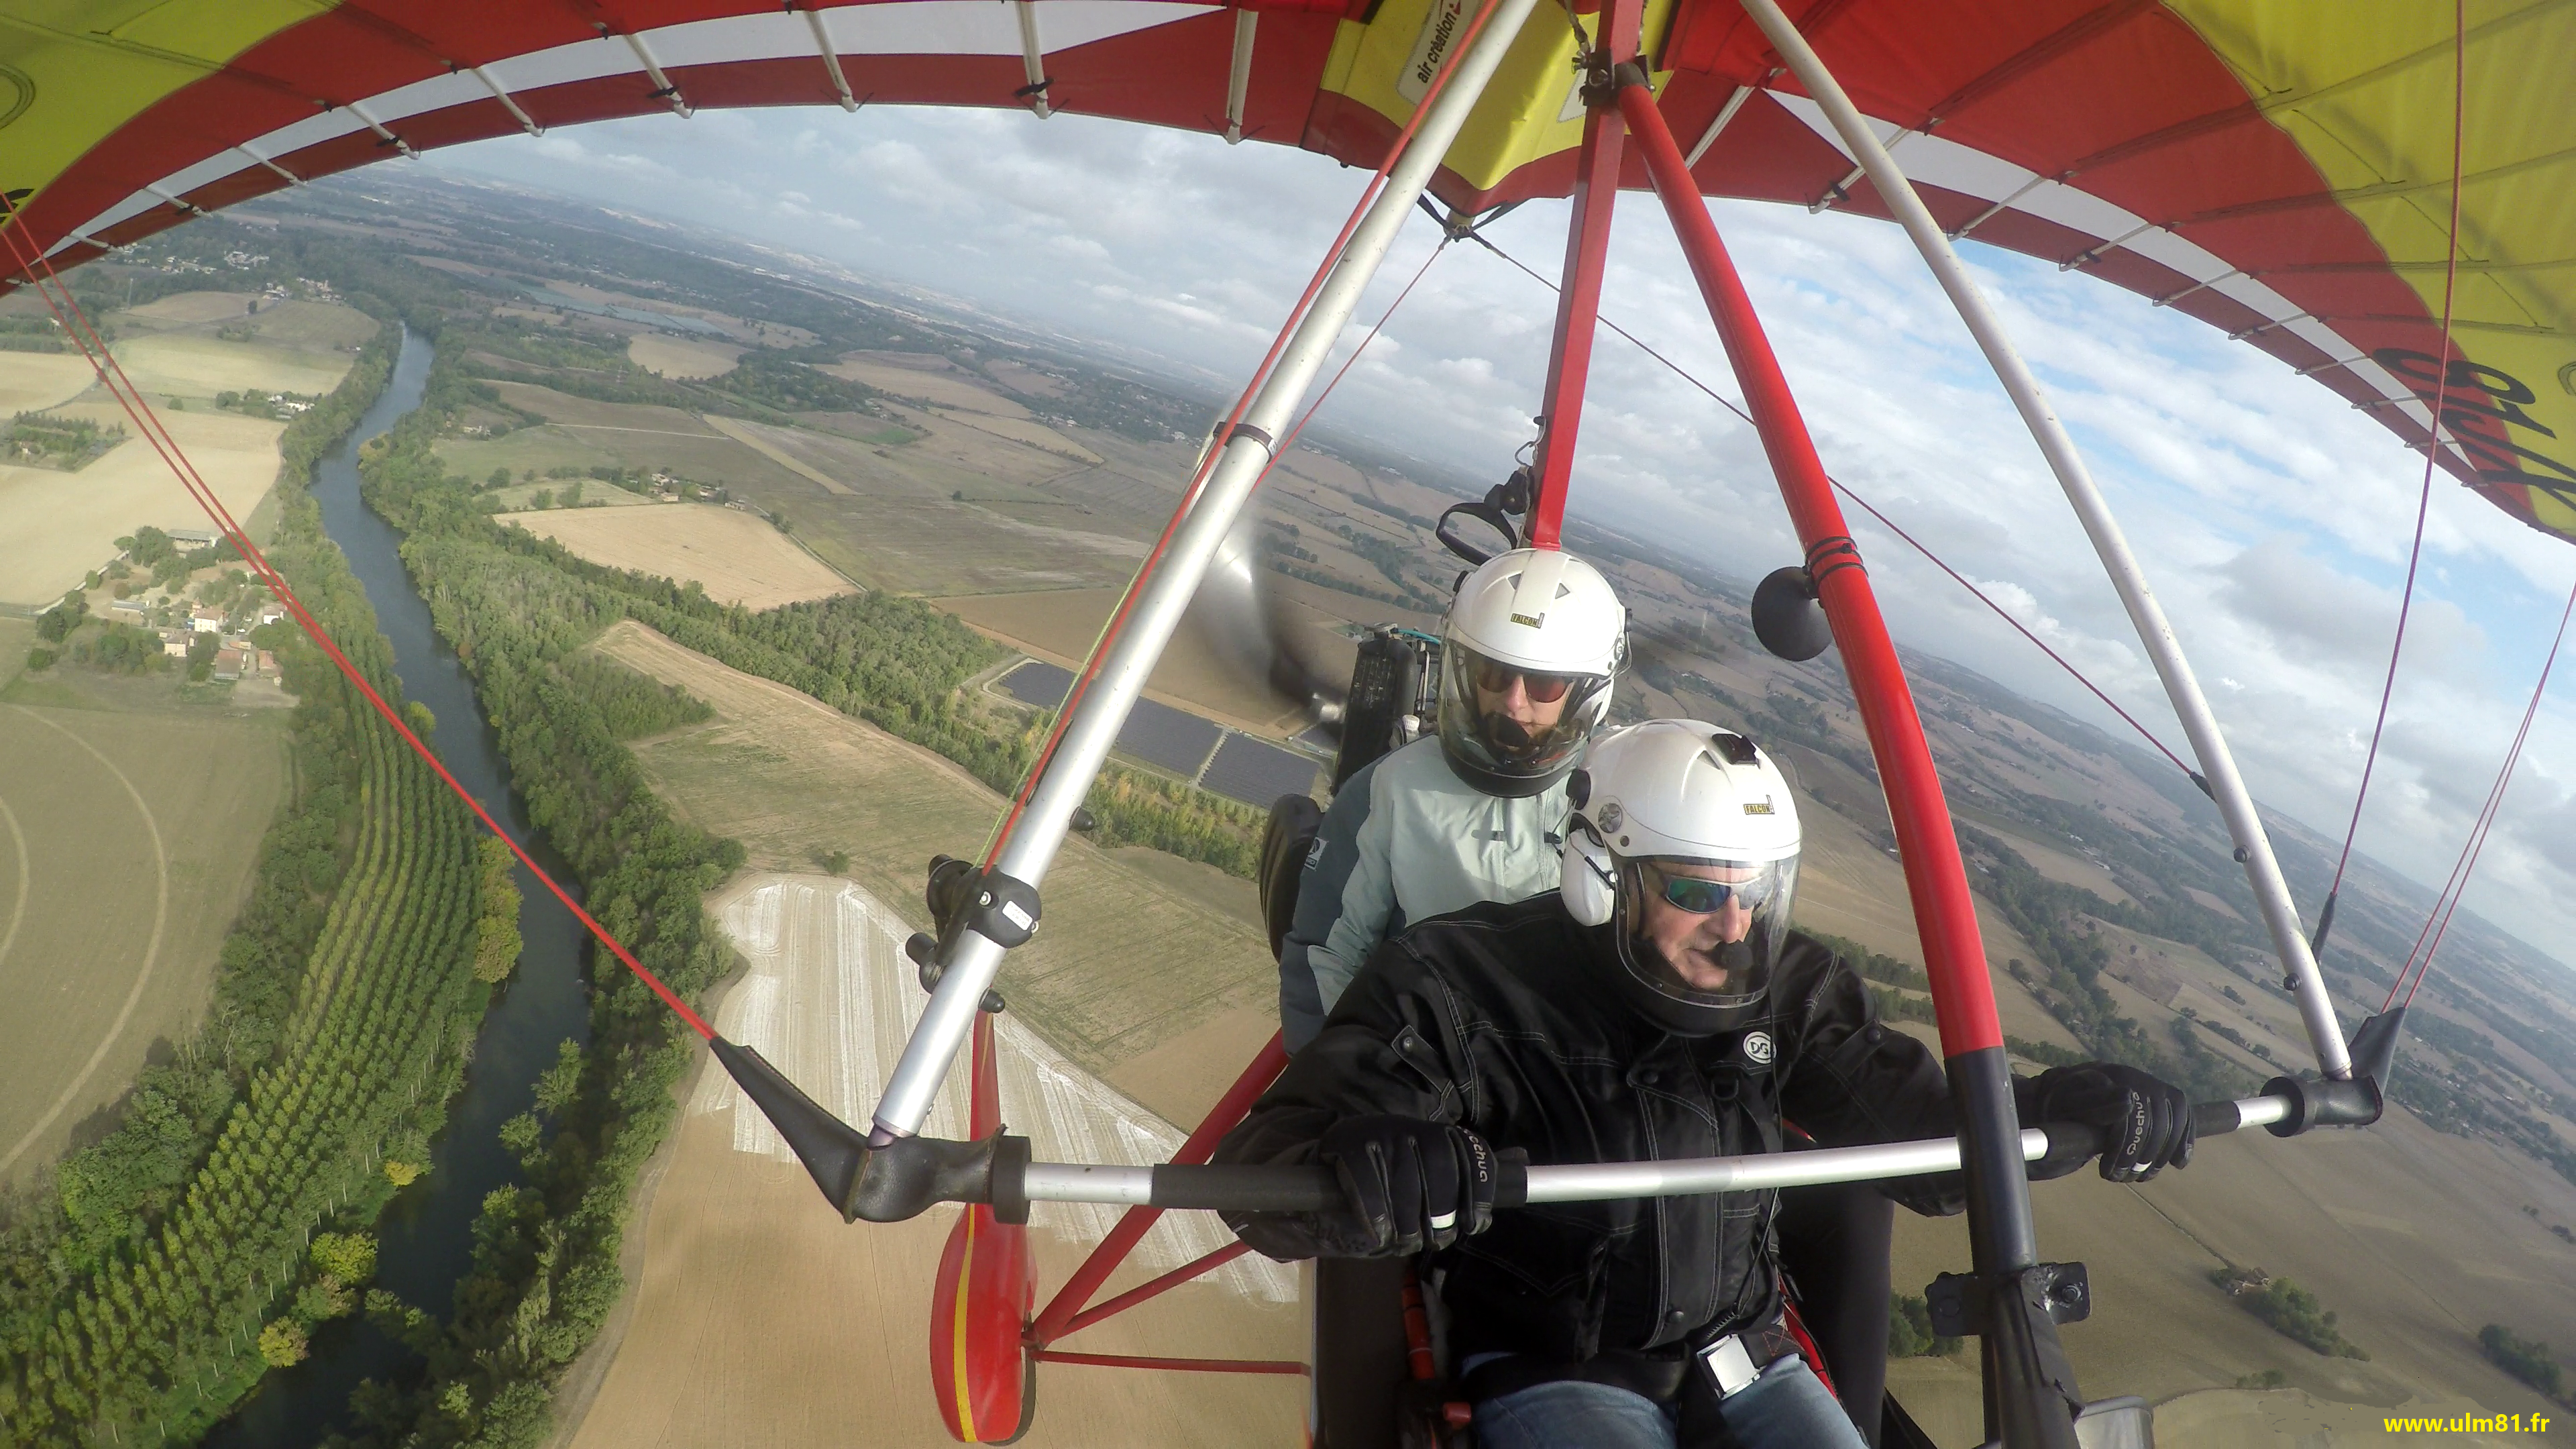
[1128, 962]
[1059, 626]
[183, 309]
[299, 323]
[761, 441]
[761, 1318]
[940, 387]
[678, 357]
[1035, 434]
[126, 843]
[737, 558]
[195, 366]
[1023, 379]
[55, 527]
[2059, 863]
[2413, 1238]
[34, 381]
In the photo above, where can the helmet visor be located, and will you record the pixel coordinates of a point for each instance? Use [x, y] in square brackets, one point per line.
[1705, 933]
[1515, 723]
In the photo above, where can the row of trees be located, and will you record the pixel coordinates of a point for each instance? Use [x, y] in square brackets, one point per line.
[176, 1261]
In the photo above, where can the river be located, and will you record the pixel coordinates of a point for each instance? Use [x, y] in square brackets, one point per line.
[427, 1235]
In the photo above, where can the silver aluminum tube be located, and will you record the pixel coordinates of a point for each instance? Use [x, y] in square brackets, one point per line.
[1096, 719]
[2261, 1111]
[291, 178]
[1592, 1181]
[2226, 786]
[1238, 75]
[1086, 1182]
[1598, 1181]
[508, 102]
[653, 67]
[831, 56]
[1033, 58]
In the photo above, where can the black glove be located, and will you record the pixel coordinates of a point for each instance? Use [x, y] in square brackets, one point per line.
[1411, 1185]
[2145, 1121]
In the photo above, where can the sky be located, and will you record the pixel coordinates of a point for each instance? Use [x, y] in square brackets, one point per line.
[2273, 519]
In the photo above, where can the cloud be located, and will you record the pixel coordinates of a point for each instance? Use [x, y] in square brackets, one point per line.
[2271, 518]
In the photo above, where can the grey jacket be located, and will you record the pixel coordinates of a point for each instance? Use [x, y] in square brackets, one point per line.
[1405, 840]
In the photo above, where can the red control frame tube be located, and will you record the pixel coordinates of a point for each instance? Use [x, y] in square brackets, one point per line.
[1936, 879]
[1578, 297]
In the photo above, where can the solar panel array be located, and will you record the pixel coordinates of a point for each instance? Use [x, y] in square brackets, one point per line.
[1253, 771]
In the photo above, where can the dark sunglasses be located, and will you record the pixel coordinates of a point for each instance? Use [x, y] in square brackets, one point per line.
[1705, 897]
[1496, 678]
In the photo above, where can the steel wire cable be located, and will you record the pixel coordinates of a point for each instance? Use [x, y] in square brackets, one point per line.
[2432, 452]
[1872, 510]
[2467, 863]
[111, 374]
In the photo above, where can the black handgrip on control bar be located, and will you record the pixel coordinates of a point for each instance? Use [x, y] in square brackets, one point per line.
[2208, 1119]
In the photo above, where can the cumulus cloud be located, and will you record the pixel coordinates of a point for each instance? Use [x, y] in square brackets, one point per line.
[2272, 518]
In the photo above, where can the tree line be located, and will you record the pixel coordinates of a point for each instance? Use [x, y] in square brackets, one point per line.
[155, 1276]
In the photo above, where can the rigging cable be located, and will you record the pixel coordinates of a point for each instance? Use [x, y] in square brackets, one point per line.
[1117, 621]
[2448, 904]
[2000, 612]
[111, 374]
[2432, 451]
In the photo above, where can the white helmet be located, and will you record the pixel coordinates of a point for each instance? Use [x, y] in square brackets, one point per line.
[1532, 632]
[1699, 816]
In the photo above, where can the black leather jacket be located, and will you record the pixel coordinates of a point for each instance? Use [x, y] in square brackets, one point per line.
[1494, 1019]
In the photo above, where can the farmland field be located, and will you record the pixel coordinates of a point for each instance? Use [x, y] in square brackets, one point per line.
[2415, 1239]
[1128, 964]
[681, 357]
[938, 384]
[738, 558]
[34, 381]
[190, 365]
[56, 527]
[126, 840]
[827, 996]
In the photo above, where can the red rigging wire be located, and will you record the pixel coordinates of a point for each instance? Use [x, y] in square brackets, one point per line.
[2432, 446]
[1867, 507]
[2448, 904]
[74, 322]
[1117, 622]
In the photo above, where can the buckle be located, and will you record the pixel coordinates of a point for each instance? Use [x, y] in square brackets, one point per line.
[1730, 1366]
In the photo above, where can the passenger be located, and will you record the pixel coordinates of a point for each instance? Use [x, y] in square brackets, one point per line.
[1476, 813]
[1658, 1006]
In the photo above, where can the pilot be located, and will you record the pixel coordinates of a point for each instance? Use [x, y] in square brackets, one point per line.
[1476, 813]
[1658, 1005]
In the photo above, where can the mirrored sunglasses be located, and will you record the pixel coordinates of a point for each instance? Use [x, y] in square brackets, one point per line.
[1704, 897]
